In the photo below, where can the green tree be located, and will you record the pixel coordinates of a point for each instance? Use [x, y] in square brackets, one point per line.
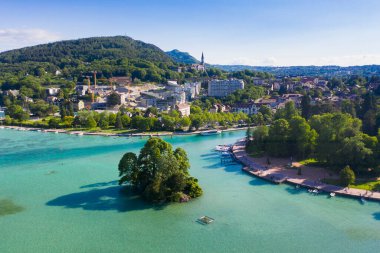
[260, 137]
[113, 99]
[119, 122]
[103, 120]
[54, 123]
[7, 120]
[41, 109]
[277, 144]
[347, 176]
[17, 112]
[112, 119]
[302, 138]
[159, 173]
[90, 122]
[369, 123]
[128, 169]
[306, 107]
[126, 120]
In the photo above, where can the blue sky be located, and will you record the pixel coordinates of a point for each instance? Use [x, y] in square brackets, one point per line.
[253, 32]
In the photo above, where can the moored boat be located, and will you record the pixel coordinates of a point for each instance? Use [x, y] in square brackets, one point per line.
[223, 148]
[210, 132]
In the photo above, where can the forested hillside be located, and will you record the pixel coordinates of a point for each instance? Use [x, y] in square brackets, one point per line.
[182, 57]
[109, 56]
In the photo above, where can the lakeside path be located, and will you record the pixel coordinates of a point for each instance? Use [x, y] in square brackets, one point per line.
[310, 178]
[63, 131]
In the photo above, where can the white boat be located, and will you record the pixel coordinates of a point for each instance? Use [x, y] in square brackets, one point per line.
[332, 194]
[210, 132]
[1, 127]
[223, 148]
[56, 132]
[80, 134]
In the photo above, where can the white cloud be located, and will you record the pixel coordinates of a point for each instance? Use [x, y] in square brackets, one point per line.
[13, 38]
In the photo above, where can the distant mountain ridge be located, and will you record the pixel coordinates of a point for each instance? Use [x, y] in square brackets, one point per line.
[87, 50]
[182, 57]
[366, 70]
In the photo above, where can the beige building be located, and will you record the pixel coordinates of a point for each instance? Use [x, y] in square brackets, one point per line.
[184, 109]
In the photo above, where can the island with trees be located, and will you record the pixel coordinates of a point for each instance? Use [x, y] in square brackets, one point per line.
[159, 173]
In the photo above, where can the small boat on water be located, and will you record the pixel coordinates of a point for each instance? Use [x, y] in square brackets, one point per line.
[223, 148]
[1, 127]
[80, 134]
[332, 194]
[210, 132]
[205, 220]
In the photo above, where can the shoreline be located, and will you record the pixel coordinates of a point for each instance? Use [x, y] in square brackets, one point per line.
[282, 175]
[76, 132]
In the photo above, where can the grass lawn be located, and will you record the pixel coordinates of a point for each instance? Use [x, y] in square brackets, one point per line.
[370, 186]
[359, 184]
[311, 162]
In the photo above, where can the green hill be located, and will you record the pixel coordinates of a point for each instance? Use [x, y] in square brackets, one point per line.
[76, 59]
[182, 57]
[87, 50]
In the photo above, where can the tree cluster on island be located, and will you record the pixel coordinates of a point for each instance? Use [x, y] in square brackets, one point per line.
[158, 173]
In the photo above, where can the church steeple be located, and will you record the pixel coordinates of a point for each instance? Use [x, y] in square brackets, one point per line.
[202, 59]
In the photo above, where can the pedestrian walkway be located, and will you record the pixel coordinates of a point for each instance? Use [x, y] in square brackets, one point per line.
[283, 175]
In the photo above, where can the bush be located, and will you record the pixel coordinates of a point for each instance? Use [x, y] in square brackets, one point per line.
[347, 176]
[54, 122]
[7, 120]
[192, 188]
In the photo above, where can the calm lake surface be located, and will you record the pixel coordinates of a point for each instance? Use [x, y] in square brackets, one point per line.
[65, 198]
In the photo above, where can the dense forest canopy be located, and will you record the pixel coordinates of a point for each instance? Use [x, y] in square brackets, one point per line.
[87, 50]
[109, 56]
[182, 57]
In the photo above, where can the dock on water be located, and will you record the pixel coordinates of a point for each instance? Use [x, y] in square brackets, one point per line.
[285, 176]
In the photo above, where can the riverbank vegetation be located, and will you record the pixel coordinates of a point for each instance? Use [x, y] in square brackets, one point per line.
[332, 140]
[158, 173]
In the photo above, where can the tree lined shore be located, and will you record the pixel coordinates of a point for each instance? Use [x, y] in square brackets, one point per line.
[332, 140]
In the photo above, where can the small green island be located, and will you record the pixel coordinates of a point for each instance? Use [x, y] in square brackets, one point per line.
[158, 173]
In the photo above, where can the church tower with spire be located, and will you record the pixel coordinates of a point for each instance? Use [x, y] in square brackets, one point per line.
[202, 59]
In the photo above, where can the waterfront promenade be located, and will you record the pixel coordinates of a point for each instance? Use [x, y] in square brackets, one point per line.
[108, 134]
[310, 178]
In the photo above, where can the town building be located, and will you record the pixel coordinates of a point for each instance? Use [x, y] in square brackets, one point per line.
[223, 88]
[184, 109]
[201, 67]
[52, 91]
[247, 108]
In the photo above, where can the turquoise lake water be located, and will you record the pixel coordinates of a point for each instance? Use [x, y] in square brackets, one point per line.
[71, 202]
